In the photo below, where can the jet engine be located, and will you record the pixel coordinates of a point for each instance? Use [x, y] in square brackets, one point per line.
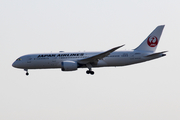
[69, 65]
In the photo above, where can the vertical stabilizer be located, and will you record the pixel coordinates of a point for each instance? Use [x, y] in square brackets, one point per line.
[151, 42]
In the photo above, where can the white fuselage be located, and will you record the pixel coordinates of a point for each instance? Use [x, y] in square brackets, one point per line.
[54, 60]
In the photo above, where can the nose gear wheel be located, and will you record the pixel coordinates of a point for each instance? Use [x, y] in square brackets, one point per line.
[26, 71]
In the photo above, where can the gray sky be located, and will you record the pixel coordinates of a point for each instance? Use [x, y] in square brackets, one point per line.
[143, 91]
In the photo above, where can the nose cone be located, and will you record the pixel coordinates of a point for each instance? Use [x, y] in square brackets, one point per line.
[15, 64]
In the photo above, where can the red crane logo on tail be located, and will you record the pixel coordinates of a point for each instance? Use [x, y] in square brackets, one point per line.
[152, 41]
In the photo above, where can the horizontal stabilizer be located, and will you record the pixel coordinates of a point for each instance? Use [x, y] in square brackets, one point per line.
[155, 54]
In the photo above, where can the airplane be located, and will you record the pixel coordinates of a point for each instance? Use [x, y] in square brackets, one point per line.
[71, 61]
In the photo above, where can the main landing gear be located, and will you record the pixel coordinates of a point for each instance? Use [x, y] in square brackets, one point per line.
[26, 71]
[90, 70]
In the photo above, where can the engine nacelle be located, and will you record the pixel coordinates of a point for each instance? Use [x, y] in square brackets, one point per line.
[69, 66]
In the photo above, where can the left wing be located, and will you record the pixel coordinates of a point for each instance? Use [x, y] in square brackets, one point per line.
[97, 57]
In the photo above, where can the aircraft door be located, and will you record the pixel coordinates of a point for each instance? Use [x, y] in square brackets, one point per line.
[135, 56]
[29, 59]
[53, 63]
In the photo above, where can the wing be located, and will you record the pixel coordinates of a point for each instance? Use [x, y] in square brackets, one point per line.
[95, 58]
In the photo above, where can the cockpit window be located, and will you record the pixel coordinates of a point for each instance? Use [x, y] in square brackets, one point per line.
[19, 59]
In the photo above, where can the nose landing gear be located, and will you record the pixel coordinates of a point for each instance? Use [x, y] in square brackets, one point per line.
[26, 71]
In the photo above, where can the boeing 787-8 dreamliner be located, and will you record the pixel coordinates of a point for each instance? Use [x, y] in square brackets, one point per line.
[70, 61]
